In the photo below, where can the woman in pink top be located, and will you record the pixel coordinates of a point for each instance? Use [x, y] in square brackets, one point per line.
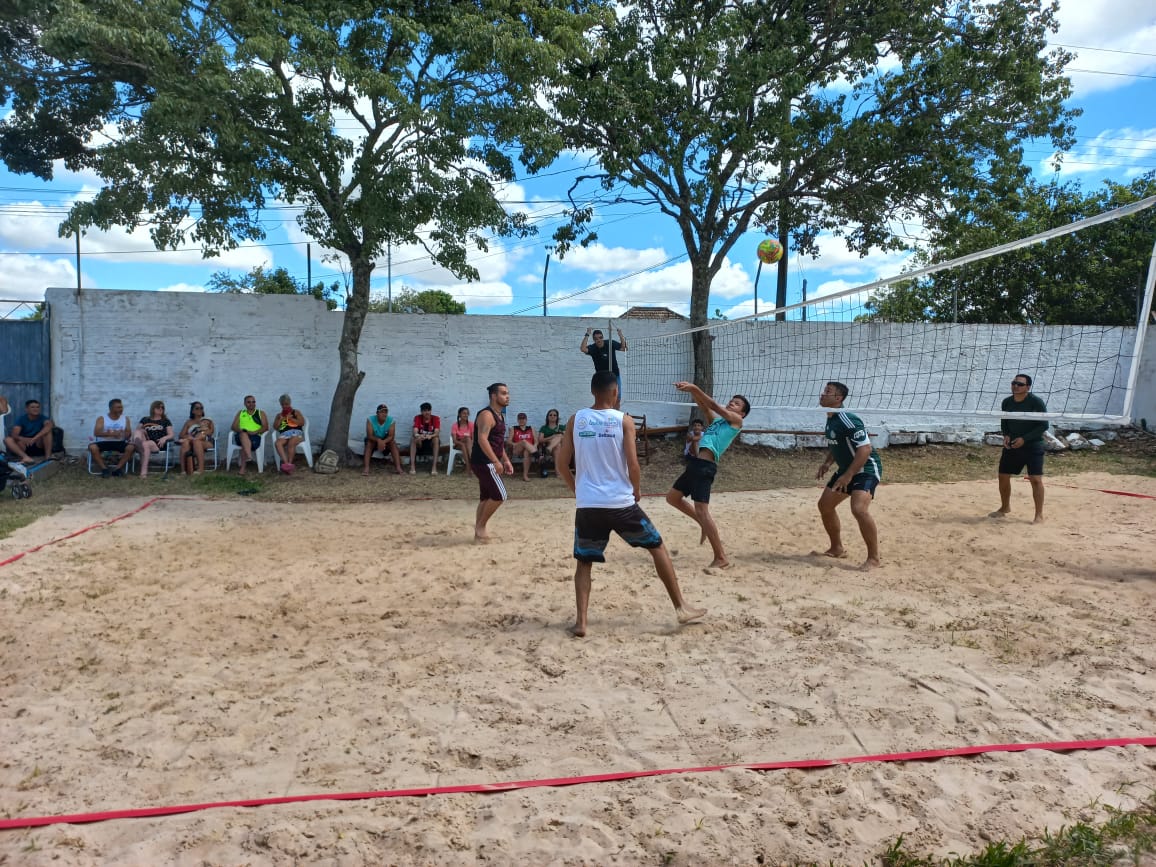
[462, 434]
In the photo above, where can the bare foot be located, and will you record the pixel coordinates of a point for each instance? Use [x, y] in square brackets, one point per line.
[870, 563]
[998, 513]
[481, 537]
[413, 472]
[719, 564]
[836, 553]
[689, 615]
[1039, 519]
[578, 631]
[365, 472]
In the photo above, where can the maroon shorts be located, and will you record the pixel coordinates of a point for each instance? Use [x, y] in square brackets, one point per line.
[490, 485]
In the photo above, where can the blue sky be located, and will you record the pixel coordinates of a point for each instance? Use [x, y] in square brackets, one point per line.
[1114, 78]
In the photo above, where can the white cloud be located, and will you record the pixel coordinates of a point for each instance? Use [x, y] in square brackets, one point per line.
[600, 259]
[26, 277]
[1114, 27]
[182, 287]
[835, 258]
[1114, 149]
[34, 229]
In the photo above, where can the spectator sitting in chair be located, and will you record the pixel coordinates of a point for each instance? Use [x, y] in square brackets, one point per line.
[196, 435]
[550, 436]
[381, 435]
[462, 435]
[522, 442]
[153, 434]
[427, 438]
[30, 437]
[111, 434]
[693, 438]
[249, 425]
[289, 432]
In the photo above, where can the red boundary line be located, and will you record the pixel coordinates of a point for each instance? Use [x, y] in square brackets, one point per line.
[918, 756]
[1107, 491]
[95, 526]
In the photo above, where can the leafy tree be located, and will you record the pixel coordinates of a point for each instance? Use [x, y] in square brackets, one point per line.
[380, 124]
[275, 282]
[411, 301]
[1092, 277]
[835, 116]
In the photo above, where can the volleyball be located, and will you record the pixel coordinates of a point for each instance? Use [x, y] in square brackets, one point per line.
[770, 251]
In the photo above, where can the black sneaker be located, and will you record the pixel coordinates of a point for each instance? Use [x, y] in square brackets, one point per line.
[117, 473]
[105, 473]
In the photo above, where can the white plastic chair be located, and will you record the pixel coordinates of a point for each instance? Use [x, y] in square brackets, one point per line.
[234, 449]
[305, 447]
[454, 452]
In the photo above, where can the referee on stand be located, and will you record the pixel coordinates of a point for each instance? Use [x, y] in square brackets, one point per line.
[604, 354]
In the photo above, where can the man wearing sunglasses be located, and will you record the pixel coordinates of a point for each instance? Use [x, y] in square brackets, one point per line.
[1023, 446]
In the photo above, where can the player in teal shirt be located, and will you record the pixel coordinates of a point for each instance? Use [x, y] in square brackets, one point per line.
[858, 473]
[696, 480]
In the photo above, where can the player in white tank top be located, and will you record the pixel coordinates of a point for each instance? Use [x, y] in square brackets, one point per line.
[604, 482]
[601, 442]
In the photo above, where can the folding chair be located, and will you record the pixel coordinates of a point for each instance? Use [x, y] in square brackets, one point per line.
[233, 449]
[643, 437]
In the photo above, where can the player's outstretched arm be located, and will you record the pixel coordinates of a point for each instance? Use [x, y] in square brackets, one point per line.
[630, 452]
[709, 406]
[565, 455]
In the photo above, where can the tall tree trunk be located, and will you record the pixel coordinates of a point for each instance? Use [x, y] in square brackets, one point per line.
[349, 378]
[701, 340]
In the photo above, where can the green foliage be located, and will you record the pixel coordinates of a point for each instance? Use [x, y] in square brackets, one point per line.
[275, 282]
[1119, 837]
[833, 116]
[375, 121]
[1092, 277]
[409, 301]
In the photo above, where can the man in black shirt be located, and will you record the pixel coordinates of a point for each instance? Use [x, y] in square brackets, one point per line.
[604, 354]
[1023, 446]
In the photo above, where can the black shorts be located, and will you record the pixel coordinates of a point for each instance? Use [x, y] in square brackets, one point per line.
[34, 450]
[592, 528]
[1013, 461]
[254, 439]
[424, 447]
[696, 480]
[859, 482]
[117, 446]
[490, 485]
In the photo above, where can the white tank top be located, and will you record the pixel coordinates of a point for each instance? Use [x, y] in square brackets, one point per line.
[603, 479]
[116, 425]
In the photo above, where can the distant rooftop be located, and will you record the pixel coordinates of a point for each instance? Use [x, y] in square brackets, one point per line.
[660, 313]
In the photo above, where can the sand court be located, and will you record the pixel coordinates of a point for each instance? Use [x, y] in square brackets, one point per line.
[222, 650]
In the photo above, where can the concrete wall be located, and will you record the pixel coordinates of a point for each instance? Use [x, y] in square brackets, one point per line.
[179, 347]
[1144, 404]
[216, 348]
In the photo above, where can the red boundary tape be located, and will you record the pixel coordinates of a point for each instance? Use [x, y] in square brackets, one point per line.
[1108, 491]
[918, 756]
[95, 526]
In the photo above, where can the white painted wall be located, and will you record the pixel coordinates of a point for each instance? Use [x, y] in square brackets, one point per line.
[216, 348]
[1144, 404]
[180, 347]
